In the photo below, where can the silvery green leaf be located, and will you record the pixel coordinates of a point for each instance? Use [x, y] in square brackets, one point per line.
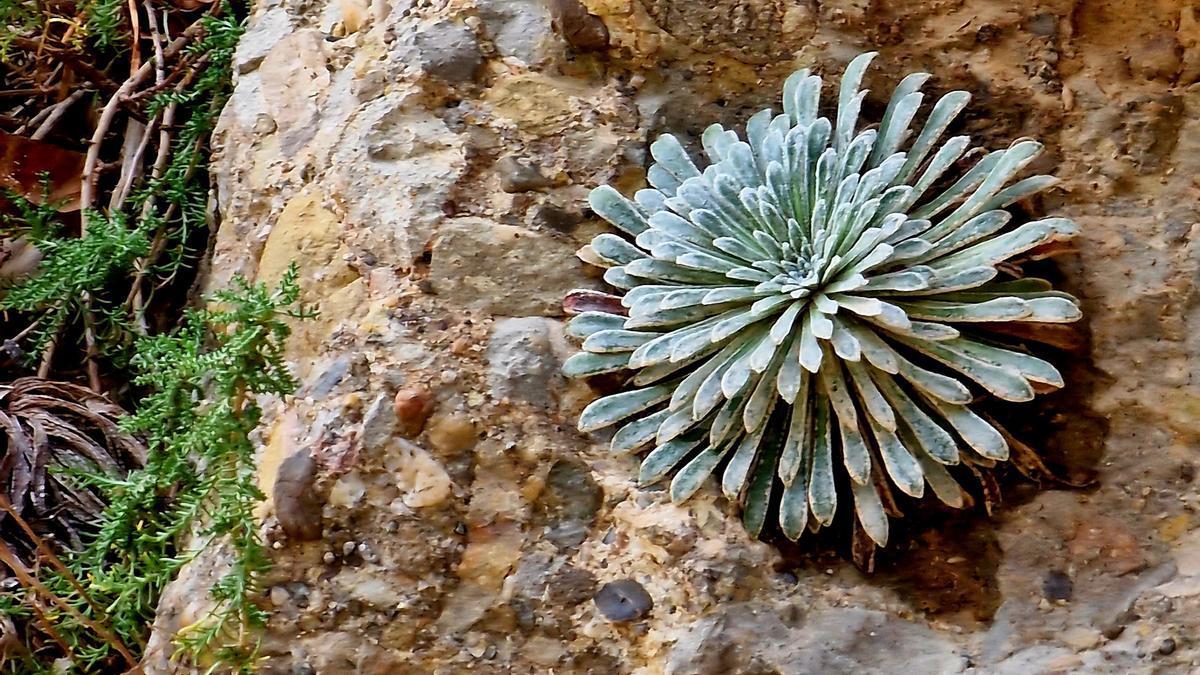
[790, 373]
[944, 486]
[1020, 190]
[686, 390]
[796, 448]
[762, 401]
[616, 276]
[666, 457]
[822, 493]
[901, 466]
[609, 341]
[716, 140]
[737, 471]
[662, 180]
[934, 384]
[979, 435]
[637, 433]
[693, 474]
[910, 251]
[685, 297]
[968, 183]
[709, 393]
[660, 270]
[671, 156]
[666, 319]
[845, 345]
[945, 157]
[1000, 309]
[676, 424]
[1053, 310]
[912, 279]
[870, 397]
[1005, 383]
[604, 411]
[659, 371]
[1029, 366]
[650, 200]
[611, 206]
[869, 509]
[586, 364]
[583, 325]
[958, 279]
[758, 494]
[1005, 246]
[737, 375]
[1010, 163]
[615, 249]
[855, 457]
[849, 98]
[810, 352]
[905, 102]
[727, 423]
[944, 111]
[877, 352]
[979, 227]
[930, 437]
[793, 507]
[734, 325]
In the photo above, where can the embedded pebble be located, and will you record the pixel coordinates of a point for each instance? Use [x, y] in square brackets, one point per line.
[279, 596]
[412, 406]
[298, 505]
[623, 600]
[452, 433]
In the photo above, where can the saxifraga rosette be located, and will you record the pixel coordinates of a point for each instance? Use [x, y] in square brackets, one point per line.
[813, 302]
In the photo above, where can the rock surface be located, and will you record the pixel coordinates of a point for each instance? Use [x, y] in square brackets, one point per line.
[426, 164]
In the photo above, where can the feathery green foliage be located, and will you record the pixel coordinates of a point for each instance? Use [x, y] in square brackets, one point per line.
[74, 269]
[809, 307]
[199, 481]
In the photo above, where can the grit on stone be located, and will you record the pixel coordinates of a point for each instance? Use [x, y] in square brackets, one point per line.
[427, 165]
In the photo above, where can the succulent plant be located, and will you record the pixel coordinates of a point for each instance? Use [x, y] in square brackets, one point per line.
[808, 311]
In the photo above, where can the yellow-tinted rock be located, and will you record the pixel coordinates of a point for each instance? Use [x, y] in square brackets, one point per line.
[453, 433]
[306, 233]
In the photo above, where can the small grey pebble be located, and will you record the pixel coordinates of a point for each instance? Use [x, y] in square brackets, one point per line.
[623, 600]
[348, 548]
[1166, 647]
[329, 557]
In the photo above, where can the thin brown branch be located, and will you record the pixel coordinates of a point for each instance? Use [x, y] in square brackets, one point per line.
[56, 113]
[137, 138]
[76, 61]
[48, 354]
[89, 338]
[9, 558]
[87, 193]
[48, 554]
[48, 627]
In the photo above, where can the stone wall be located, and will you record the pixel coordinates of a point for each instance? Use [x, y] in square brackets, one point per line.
[427, 162]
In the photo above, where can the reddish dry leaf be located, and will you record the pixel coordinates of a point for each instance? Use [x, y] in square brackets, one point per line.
[23, 161]
[580, 301]
[1065, 336]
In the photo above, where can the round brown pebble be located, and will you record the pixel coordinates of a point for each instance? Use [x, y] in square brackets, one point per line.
[413, 405]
